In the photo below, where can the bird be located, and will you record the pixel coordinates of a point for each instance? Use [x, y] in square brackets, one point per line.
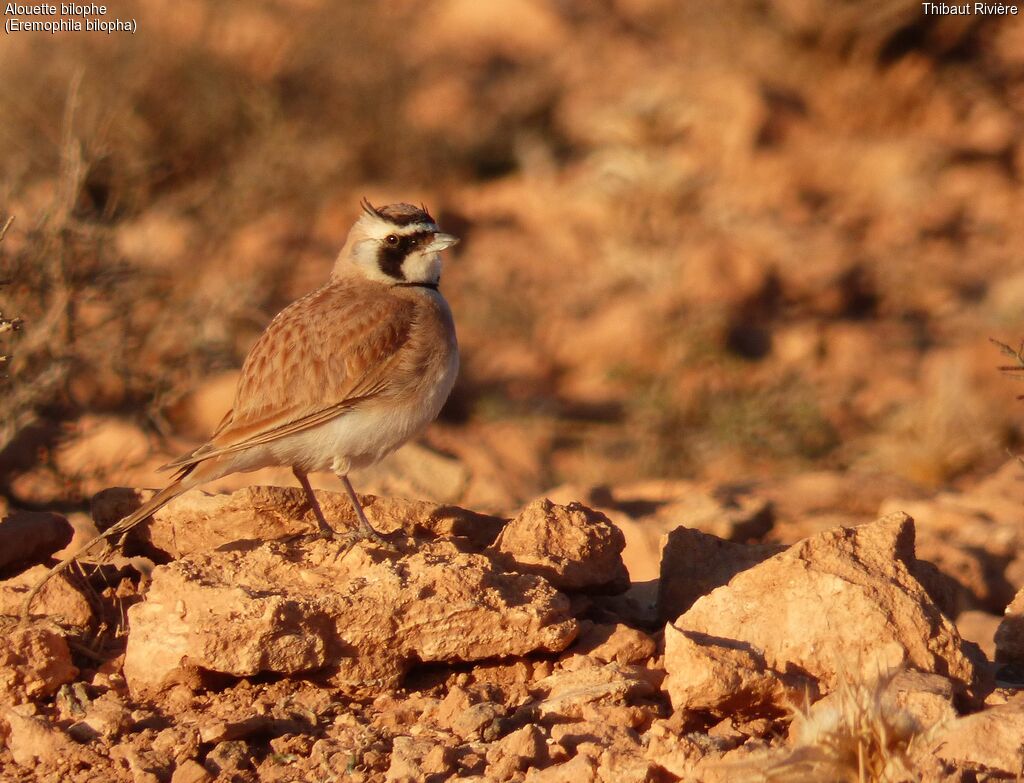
[340, 378]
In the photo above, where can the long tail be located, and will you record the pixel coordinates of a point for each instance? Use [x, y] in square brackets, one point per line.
[147, 509]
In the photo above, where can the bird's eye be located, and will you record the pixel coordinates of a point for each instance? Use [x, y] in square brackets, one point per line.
[392, 239]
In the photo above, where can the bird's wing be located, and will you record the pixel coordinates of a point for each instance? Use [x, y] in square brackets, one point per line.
[322, 356]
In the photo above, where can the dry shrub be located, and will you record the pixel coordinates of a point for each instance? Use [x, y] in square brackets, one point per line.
[860, 738]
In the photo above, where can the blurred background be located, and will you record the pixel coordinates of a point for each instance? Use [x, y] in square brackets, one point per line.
[728, 242]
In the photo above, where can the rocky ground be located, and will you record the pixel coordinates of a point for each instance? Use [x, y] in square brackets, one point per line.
[729, 278]
[224, 641]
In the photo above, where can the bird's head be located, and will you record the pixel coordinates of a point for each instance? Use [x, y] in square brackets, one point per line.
[398, 243]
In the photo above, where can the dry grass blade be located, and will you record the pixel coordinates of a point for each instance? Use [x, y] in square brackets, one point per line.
[860, 738]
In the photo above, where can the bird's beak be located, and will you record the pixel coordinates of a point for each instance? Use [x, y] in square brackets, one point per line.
[441, 242]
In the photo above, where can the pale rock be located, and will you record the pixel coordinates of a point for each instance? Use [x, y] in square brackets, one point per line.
[516, 752]
[314, 604]
[726, 678]
[479, 722]
[926, 698]
[145, 765]
[416, 759]
[35, 741]
[730, 512]
[990, 739]
[907, 702]
[34, 663]
[105, 716]
[200, 410]
[815, 492]
[843, 603]
[694, 563]
[571, 546]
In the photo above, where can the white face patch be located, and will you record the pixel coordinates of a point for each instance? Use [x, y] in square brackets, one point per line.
[422, 267]
[398, 244]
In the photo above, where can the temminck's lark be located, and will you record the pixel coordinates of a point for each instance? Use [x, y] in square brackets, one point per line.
[340, 378]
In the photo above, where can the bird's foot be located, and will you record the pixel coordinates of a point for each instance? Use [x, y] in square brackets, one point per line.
[351, 537]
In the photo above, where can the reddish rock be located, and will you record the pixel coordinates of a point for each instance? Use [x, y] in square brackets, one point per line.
[311, 604]
[569, 693]
[694, 563]
[197, 521]
[34, 663]
[646, 510]
[980, 628]
[726, 678]
[61, 600]
[29, 537]
[578, 769]
[573, 547]
[838, 604]
[1009, 635]
[516, 752]
[615, 643]
[191, 771]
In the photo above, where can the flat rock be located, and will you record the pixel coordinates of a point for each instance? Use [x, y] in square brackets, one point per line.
[197, 521]
[568, 693]
[34, 663]
[694, 563]
[845, 602]
[572, 546]
[360, 614]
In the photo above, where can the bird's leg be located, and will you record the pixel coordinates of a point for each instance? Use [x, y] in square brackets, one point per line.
[313, 502]
[364, 523]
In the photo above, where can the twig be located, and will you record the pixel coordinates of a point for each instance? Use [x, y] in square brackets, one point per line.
[1013, 371]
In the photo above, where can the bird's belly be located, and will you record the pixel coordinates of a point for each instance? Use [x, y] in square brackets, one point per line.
[361, 437]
